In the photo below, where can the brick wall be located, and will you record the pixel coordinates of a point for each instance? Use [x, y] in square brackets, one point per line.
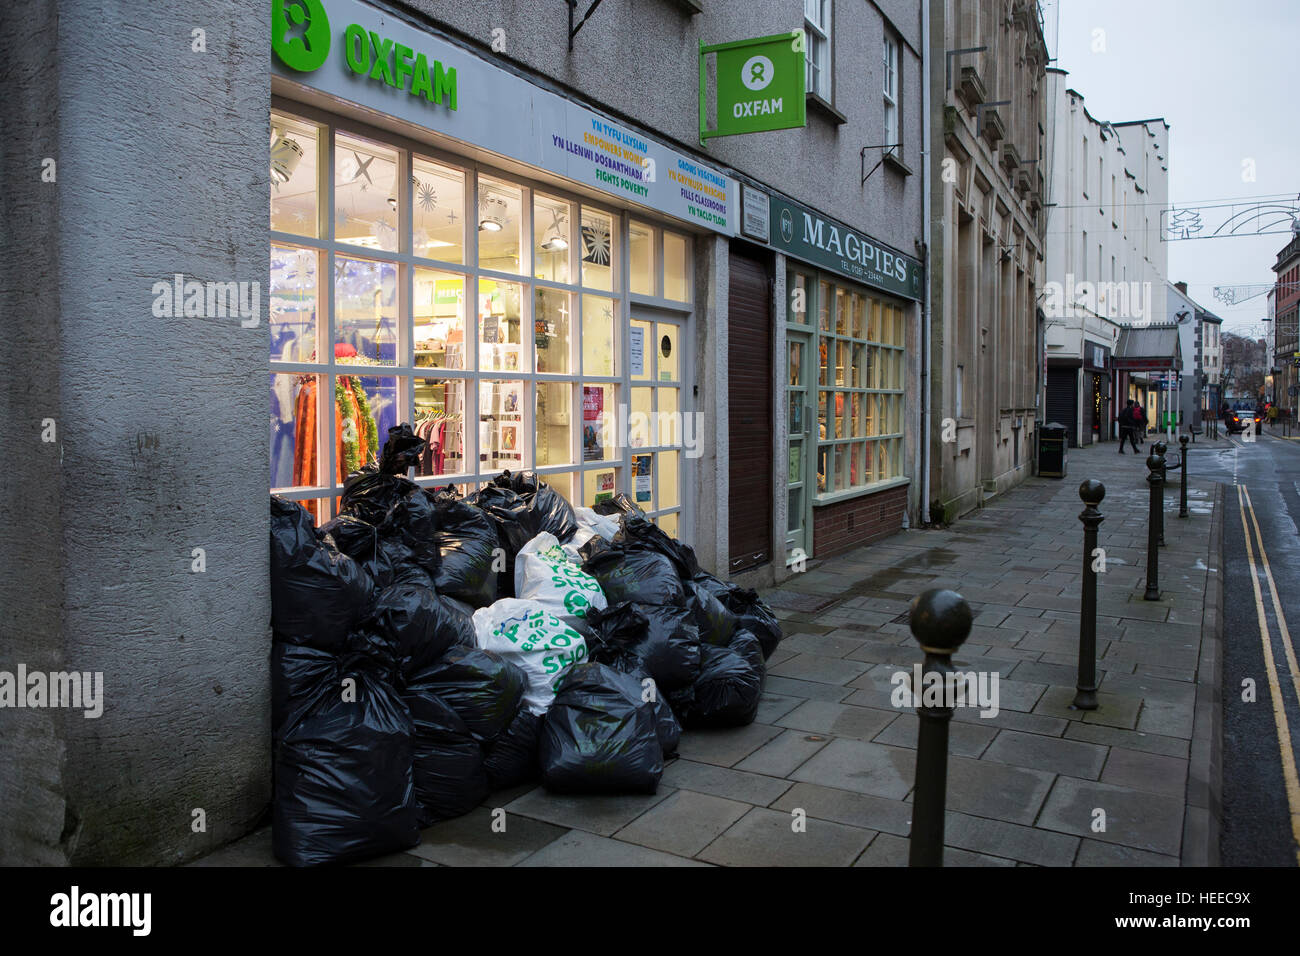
[851, 524]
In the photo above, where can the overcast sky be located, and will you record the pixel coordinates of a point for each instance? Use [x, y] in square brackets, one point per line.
[1226, 77]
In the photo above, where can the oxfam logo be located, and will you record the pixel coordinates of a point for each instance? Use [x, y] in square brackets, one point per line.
[300, 33]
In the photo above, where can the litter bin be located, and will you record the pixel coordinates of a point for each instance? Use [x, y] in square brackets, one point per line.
[1052, 455]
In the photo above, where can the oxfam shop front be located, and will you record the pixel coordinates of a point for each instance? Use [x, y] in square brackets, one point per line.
[458, 248]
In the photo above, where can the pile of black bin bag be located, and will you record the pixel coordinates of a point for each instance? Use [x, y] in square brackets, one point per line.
[387, 717]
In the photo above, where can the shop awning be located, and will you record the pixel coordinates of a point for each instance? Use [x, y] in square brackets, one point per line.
[1148, 348]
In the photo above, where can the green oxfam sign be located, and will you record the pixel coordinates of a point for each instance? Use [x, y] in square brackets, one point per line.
[760, 85]
[300, 37]
[300, 34]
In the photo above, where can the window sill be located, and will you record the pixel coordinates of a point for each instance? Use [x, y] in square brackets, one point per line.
[819, 105]
[836, 497]
[895, 163]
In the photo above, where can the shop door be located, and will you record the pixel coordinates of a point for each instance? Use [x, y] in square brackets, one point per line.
[661, 428]
[799, 442]
[1097, 408]
[749, 428]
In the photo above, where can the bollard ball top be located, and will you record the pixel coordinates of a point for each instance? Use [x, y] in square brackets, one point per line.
[940, 620]
[1092, 491]
[1160, 448]
[1153, 462]
[1183, 440]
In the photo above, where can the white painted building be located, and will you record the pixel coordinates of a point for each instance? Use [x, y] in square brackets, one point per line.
[1105, 264]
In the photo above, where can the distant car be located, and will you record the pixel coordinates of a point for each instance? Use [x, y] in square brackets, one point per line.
[1242, 413]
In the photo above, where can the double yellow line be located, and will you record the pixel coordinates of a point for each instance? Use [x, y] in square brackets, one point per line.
[1289, 774]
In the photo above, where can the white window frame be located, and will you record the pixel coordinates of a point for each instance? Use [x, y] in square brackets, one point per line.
[626, 304]
[893, 123]
[817, 47]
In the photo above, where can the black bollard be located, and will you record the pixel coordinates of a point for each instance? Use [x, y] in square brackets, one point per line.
[1182, 491]
[1085, 697]
[940, 621]
[1159, 448]
[1153, 528]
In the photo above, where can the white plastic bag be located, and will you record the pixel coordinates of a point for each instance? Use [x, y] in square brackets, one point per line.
[590, 525]
[527, 634]
[545, 573]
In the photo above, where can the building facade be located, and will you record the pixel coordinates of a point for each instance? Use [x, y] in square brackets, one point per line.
[477, 221]
[1285, 346]
[987, 225]
[1105, 264]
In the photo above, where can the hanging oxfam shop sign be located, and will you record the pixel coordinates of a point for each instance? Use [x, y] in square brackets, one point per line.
[808, 235]
[760, 85]
[361, 55]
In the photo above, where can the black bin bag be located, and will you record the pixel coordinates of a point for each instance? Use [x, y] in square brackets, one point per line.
[413, 521]
[634, 574]
[661, 640]
[751, 613]
[635, 529]
[756, 617]
[548, 509]
[466, 540]
[483, 688]
[449, 773]
[515, 527]
[344, 789]
[511, 759]
[318, 593]
[714, 619]
[420, 625]
[599, 735]
[727, 691]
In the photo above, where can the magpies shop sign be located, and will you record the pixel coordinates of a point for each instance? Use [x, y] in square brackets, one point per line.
[301, 36]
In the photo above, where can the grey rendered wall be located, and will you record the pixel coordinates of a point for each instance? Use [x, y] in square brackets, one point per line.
[31, 741]
[639, 59]
[162, 168]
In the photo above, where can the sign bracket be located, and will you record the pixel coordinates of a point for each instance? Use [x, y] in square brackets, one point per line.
[887, 147]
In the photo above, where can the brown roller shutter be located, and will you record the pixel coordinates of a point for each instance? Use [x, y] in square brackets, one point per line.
[749, 392]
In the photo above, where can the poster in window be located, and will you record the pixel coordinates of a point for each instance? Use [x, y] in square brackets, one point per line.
[509, 438]
[637, 339]
[604, 486]
[593, 405]
[641, 476]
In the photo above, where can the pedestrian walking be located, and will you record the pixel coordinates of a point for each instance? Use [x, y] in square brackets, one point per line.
[1139, 427]
[1128, 425]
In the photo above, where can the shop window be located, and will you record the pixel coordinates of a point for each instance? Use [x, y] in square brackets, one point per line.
[599, 249]
[295, 166]
[552, 337]
[677, 284]
[479, 350]
[500, 324]
[365, 194]
[365, 311]
[294, 304]
[641, 251]
[440, 421]
[501, 245]
[860, 377]
[598, 343]
[437, 211]
[552, 239]
[554, 426]
[438, 315]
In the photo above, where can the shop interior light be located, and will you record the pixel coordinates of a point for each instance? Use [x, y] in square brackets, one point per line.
[286, 154]
[492, 217]
[555, 241]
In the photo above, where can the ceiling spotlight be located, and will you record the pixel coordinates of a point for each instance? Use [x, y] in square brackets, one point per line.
[392, 202]
[286, 154]
[555, 241]
[492, 214]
